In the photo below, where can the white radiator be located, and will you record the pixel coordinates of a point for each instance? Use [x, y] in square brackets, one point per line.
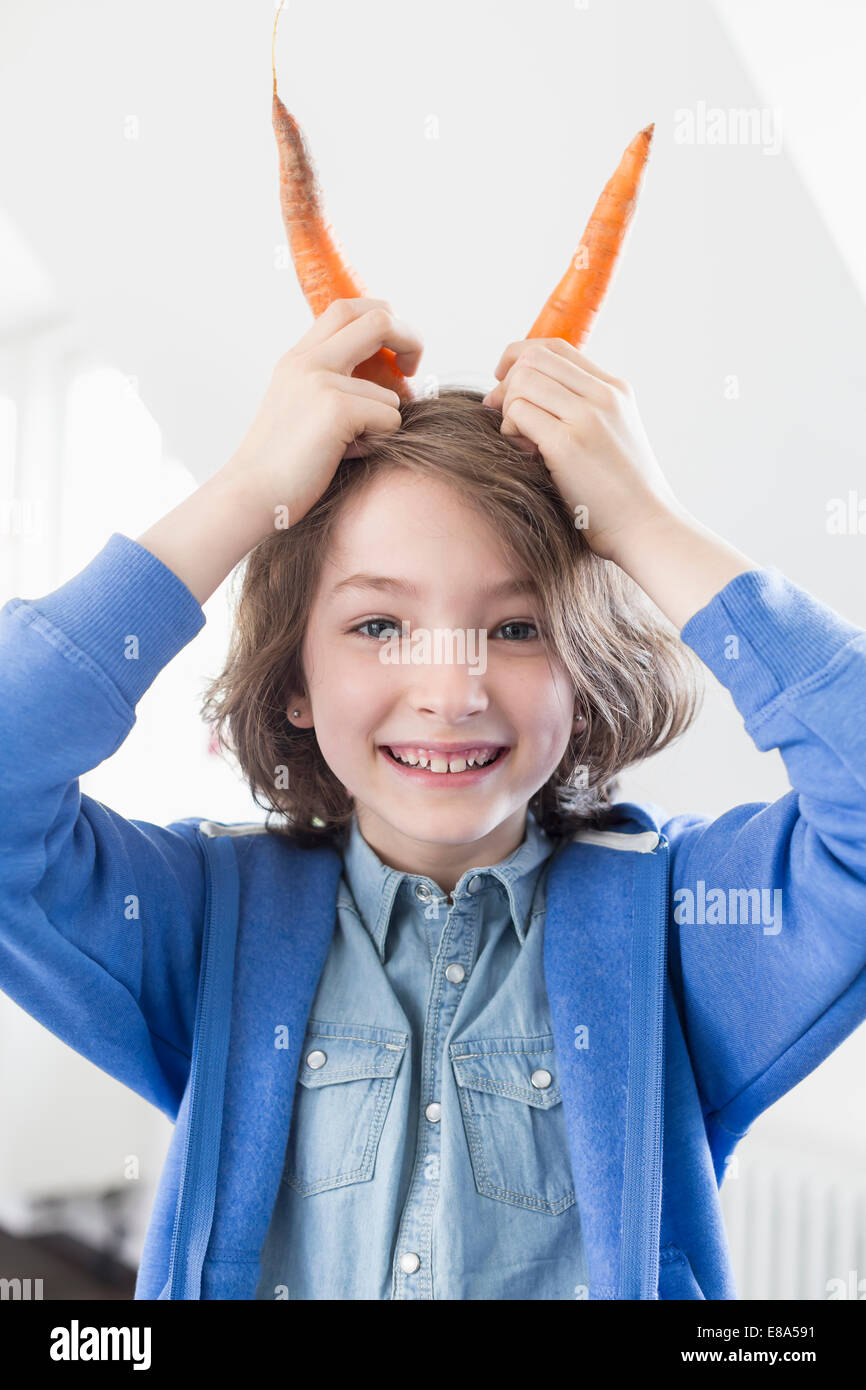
[796, 1222]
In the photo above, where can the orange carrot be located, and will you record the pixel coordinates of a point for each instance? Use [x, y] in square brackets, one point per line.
[570, 311]
[322, 270]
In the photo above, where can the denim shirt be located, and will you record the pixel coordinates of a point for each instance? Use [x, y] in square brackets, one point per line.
[427, 1155]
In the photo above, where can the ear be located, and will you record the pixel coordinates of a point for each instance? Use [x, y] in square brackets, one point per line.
[298, 713]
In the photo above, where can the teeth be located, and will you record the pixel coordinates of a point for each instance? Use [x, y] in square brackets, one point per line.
[439, 764]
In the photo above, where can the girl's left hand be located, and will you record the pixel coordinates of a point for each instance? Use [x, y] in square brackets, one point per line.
[585, 424]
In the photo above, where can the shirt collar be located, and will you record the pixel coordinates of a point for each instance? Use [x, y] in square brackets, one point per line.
[374, 886]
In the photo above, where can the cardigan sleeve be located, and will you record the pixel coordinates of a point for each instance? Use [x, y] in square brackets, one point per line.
[768, 901]
[101, 917]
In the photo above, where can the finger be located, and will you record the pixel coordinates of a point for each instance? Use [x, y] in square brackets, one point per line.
[361, 386]
[532, 424]
[345, 310]
[518, 439]
[553, 367]
[339, 312]
[556, 358]
[557, 345]
[362, 336]
[366, 415]
[546, 393]
[356, 450]
[408, 362]
[371, 391]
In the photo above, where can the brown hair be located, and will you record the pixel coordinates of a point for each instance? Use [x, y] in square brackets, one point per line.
[633, 678]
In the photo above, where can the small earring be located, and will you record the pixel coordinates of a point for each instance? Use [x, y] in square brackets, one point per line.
[580, 721]
[295, 713]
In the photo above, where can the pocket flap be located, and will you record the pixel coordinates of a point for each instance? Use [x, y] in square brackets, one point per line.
[350, 1051]
[676, 1276]
[505, 1067]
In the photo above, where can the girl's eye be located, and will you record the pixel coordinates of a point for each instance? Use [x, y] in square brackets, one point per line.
[374, 622]
[520, 624]
[389, 623]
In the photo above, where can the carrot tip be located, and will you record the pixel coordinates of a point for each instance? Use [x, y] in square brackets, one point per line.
[273, 46]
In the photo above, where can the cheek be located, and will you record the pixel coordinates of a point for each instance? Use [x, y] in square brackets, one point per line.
[550, 724]
[345, 679]
[352, 701]
[543, 706]
[362, 696]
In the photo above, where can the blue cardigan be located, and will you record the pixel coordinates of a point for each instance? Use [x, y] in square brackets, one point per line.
[170, 956]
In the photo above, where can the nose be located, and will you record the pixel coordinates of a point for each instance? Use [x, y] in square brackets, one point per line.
[449, 694]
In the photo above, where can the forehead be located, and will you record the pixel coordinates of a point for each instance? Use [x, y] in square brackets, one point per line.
[416, 536]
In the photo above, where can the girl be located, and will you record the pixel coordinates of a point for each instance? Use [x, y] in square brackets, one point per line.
[458, 1024]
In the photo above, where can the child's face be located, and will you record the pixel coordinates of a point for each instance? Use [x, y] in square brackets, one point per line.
[418, 530]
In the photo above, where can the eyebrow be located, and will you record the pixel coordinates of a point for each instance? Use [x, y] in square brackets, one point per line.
[506, 588]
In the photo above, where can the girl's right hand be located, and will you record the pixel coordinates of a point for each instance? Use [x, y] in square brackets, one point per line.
[314, 410]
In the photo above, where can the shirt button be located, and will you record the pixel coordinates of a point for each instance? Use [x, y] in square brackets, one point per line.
[422, 892]
[433, 1111]
[316, 1059]
[455, 973]
[541, 1078]
[475, 882]
[409, 1262]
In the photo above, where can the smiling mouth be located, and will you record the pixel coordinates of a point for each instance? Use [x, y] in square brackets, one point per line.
[446, 773]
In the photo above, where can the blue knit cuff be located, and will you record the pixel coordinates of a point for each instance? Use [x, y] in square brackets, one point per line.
[762, 634]
[128, 611]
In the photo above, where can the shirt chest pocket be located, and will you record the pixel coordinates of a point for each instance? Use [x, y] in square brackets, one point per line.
[514, 1121]
[345, 1085]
